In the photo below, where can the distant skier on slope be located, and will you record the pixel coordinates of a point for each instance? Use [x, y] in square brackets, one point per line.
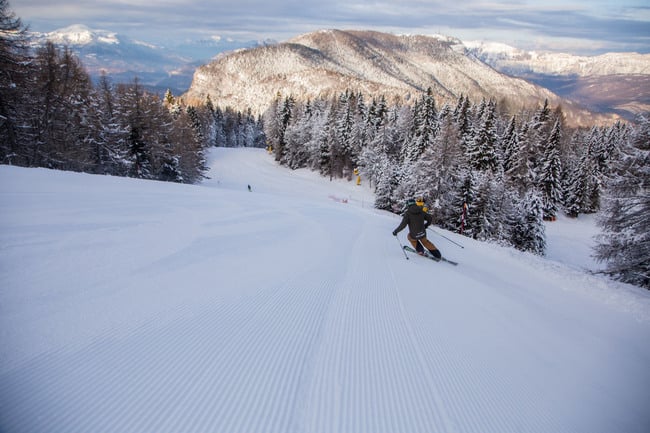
[417, 221]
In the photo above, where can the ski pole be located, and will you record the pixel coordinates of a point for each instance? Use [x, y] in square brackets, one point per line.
[402, 248]
[443, 236]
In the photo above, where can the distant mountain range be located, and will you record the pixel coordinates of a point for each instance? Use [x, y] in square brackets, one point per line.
[246, 73]
[327, 62]
[610, 83]
[122, 58]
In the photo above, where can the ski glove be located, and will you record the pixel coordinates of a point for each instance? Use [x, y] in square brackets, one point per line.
[394, 232]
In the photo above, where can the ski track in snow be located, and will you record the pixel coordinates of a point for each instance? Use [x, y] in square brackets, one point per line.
[149, 307]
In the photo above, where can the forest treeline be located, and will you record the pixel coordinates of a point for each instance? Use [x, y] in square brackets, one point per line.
[52, 115]
[485, 173]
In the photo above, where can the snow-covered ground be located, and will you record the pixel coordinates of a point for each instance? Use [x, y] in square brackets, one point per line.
[135, 306]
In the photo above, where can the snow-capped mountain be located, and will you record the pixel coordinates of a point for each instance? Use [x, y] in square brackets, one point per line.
[612, 82]
[515, 61]
[156, 66]
[330, 61]
[79, 35]
[120, 57]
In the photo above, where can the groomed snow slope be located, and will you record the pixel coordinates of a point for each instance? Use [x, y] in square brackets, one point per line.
[135, 306]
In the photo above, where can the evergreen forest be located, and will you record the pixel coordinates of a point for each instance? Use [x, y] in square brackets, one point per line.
[483, 172]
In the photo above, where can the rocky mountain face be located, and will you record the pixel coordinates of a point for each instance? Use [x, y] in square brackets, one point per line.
[326, 63]
[609, 83]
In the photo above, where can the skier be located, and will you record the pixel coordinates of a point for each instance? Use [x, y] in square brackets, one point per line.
[417, 221]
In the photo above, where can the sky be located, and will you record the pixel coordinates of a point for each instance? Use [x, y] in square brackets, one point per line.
[575, 26]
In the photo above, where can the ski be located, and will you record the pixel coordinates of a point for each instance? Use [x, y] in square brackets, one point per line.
[428, 256]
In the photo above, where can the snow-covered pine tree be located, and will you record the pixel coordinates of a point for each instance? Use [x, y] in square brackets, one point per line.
[625, 242]
[187, 152]
[219, 128]
[452, 205]
[325, 149]
[490, 211]
[297, 137]
[483, 150]
[446, 159]
[377, 112]
[385, 141]
[111, 151]
[591, 173]
[133, 116]
[573, 191]
[387, 180]
[344, 137]
[408, 186]
[424, 128]
[519, 174]
[412, 145]
[420, 171]
[425, 175]
[318, 132]
[361, 130]
[528, 232]
[541, 117]
[615, 138]
[371, 156]
[510, 145]
[550, 175]
[537, 133]
[276, 119]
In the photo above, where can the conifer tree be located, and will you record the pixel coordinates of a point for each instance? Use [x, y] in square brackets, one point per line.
[111, 134]
[462, 119]
[377, 112]
[345, 140]
[551, 174]
[280, 117]
[625, 242]
[387, 181]
[573, 191]
[536, 137]
[60, 134]
[483, 150]
[528, 231]
[459, 211]
[591, 174]
[15, 72]
[510, 145]
[131, 98]
[298, 136]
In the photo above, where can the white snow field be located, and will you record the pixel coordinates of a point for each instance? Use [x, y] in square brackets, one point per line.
[140, 306]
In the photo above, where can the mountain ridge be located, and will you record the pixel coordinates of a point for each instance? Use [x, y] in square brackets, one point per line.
[157, 67]
[328, 62]
[608, 83]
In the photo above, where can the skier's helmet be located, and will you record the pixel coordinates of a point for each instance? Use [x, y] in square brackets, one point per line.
[410, 202]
